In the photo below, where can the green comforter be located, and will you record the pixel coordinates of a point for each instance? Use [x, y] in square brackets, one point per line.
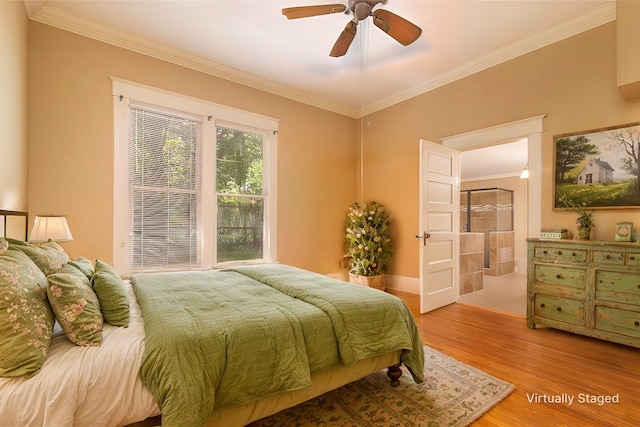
[224, 338]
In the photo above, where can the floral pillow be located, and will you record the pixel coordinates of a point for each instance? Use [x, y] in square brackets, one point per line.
[112, 295]
[76, 306]
[49, 256]
[4, 245]
[85, 265]
[26, 319]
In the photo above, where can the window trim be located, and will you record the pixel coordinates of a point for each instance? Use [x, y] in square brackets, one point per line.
[212, 114]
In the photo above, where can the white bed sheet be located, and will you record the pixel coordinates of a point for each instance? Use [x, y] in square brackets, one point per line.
[84, 386]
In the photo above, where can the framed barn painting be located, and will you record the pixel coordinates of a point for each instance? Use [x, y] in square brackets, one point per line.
[598, 168]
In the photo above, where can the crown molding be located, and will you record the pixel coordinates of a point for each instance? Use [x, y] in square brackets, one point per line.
[489, 177]
[59, 18]
[56, 17]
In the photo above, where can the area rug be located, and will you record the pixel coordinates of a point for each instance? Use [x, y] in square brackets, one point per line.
[453, 394]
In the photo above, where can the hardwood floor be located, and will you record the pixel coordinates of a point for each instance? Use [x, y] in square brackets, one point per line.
[542, 364]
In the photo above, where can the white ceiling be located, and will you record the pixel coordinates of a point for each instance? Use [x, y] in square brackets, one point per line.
[498, 161]
[251, 42]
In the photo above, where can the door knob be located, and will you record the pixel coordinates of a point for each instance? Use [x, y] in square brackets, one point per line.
[424, 237]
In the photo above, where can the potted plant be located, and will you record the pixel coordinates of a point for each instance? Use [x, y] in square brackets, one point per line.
[368, 243]
[585, 220]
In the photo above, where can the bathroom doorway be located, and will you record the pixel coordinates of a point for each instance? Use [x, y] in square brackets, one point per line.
[500, 137]
[493, 217]
[488, 274]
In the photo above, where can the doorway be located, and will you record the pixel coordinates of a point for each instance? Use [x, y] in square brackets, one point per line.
[508, 293]
[493, 249]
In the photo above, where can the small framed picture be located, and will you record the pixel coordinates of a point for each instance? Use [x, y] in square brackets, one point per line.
[624, 231]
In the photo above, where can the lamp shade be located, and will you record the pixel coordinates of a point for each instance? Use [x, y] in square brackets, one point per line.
[52, 227]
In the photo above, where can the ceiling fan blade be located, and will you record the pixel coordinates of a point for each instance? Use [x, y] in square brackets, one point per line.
[344, 40]
[397, 27]
[307, 11]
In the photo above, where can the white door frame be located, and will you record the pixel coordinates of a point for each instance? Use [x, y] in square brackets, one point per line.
[530, 128]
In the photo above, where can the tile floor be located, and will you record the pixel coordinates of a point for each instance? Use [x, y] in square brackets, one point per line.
[506, 293]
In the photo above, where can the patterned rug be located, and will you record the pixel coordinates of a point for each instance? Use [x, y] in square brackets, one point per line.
[453, 394]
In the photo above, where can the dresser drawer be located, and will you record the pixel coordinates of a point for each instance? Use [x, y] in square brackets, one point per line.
[608, 257]
[561, 309]
[563, 276]
[625, 322]
[633, 258]
[560, 254]
[618, 281]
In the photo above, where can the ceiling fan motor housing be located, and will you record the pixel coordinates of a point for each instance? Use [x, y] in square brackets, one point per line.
[362, 8]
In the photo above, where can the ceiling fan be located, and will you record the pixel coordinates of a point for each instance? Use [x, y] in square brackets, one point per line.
[397, 27]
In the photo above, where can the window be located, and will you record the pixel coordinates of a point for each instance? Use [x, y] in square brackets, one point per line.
[240, 199]
[164, 186]
[194, 182]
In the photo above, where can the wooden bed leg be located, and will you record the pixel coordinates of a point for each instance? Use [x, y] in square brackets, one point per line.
[394, 373]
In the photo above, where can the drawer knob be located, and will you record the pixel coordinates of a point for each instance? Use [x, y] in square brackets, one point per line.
[573, 254]
[608, 257]
[636, 323]
[545, 252]
[559, 308]
[559, 252]
[632, 258]
[542, 305]
[558, 276]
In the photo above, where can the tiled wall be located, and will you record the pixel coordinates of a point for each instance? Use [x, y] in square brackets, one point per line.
[491, 213]
[471, 262]
[501, 253]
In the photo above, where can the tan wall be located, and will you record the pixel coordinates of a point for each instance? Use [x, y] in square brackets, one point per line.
[14, 43]
[573, 82]
[628, 20]
[71, 139]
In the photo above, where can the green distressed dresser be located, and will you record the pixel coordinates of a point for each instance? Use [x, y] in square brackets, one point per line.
[586, 287]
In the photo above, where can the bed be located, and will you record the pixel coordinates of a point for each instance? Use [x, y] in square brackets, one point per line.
[223, 347]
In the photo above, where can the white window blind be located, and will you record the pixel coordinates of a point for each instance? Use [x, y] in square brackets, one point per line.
[164, 179]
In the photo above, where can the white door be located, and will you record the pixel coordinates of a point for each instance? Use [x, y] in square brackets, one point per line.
[439, 225]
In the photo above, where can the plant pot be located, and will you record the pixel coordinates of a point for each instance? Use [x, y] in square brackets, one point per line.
[584, 233]
[376, 282]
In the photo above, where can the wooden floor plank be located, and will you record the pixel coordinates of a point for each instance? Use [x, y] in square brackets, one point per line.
[538, 362]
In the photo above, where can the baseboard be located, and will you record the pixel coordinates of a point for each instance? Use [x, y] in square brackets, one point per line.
[402, 283]
[397, 283]
[342, 275]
